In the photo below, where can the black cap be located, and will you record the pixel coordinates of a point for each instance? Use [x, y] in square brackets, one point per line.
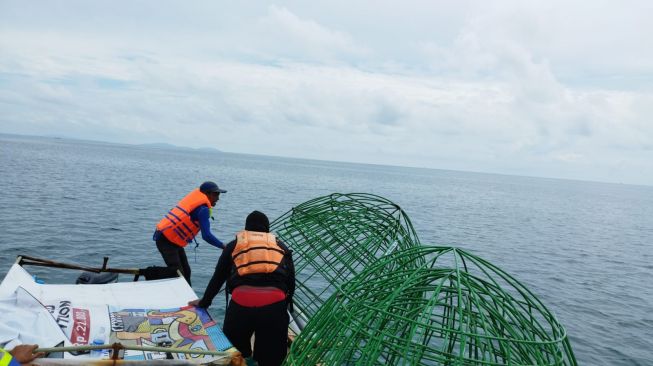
[209, 187]
[257, 221]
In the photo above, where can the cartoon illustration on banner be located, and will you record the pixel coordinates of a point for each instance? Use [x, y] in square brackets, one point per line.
[185, 328]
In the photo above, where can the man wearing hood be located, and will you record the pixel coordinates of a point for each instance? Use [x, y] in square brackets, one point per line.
[260, 276]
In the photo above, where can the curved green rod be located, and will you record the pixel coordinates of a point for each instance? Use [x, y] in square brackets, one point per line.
[335, 237]
[451, 308]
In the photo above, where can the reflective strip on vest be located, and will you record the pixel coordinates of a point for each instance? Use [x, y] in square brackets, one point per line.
[256, 252]
[6, 359]
[176, 225]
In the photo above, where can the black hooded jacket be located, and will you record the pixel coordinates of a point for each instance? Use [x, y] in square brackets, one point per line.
[256, 221]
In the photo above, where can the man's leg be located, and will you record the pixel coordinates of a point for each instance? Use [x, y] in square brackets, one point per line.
[170, 253]
[271, 334]
[185, 267]
[239, 327]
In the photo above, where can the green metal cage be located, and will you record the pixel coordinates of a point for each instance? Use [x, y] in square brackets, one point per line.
[337, 236]
[454, 308]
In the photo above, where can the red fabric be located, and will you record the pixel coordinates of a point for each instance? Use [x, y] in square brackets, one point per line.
[254, 297]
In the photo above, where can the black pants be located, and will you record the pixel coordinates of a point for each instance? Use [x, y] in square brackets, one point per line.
[174, 256]
[269, 324]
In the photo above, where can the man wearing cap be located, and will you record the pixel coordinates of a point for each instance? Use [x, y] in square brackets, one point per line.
[182, 223]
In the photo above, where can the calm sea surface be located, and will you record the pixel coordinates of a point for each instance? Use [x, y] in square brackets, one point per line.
[586, 249]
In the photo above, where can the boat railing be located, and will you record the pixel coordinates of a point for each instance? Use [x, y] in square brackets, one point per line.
[117, 347]
[24, 260]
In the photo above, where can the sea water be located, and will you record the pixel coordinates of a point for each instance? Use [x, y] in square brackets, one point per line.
[584, 248]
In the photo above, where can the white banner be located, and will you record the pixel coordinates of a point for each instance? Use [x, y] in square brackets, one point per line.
[142, 313]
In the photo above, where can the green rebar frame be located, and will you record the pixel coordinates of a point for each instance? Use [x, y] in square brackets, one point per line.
[376, 296]
[337, 236]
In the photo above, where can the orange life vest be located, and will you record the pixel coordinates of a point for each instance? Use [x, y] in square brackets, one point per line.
[256, 252]
[177, 225]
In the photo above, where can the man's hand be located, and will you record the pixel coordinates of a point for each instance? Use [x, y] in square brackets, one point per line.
[194, 302]
[24, 353]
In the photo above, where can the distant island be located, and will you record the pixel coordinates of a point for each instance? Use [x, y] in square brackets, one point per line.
[154, 145]
[163, 145]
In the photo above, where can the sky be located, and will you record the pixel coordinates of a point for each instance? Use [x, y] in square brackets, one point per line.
[539, 88]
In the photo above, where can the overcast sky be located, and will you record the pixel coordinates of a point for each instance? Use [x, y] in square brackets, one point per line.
[540, 88]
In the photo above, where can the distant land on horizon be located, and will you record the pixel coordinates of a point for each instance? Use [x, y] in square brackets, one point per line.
[165, 145]
[154, 145]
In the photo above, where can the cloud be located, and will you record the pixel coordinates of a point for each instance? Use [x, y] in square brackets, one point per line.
[284, 35]
[489, 91]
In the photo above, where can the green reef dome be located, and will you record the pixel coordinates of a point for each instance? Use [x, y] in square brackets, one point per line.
[369, 293]
[335, 237]
[454, 309]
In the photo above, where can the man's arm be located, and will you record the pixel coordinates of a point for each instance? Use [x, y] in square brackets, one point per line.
[222, 271]
[290, 266]
[205, 227]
